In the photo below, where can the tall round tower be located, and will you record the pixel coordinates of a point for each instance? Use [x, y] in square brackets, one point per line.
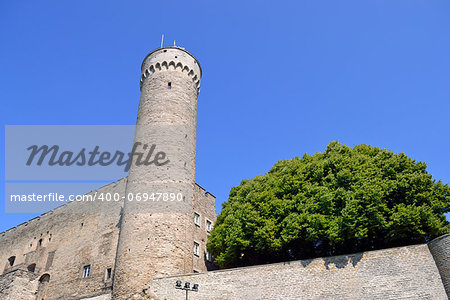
[154, 235]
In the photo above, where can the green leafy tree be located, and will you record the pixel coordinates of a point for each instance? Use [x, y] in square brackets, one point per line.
[341, 201]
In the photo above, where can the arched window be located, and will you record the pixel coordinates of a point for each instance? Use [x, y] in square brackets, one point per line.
[43, 284]
[44, 278]
[31, 267]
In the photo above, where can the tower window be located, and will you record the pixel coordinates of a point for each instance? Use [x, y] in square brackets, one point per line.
[86, 271]
[44, 278]
[31, 268]
[197, 219]
[11, 260]
[196, 249]
[169, 86]
[108, 273]
[208, 225]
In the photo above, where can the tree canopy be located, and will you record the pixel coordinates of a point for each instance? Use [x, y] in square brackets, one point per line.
[340, 201]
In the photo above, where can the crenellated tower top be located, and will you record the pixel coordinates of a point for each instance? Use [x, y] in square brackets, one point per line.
[171, 58]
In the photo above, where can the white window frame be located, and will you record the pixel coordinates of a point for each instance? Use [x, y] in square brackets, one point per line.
[197, 219]
[86, 271]
[196, 249]
[208, 228]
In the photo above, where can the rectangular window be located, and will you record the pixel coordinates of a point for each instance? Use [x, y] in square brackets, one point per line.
[208, 256]
[208, 225]
[169, 86]
[86, 271]
[196, 249]
[197, 219]
[108, 273]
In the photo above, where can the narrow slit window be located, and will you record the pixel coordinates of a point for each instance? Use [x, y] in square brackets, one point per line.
[108, 273]
[86, 271]
[169, 85]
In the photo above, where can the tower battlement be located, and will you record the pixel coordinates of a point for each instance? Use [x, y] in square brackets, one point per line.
[171, 58]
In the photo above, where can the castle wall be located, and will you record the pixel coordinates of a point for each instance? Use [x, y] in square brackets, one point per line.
[440, 249]
[61, 242]
[18, 284]
[397, 273]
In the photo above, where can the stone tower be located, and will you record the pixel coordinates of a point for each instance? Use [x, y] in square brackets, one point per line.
[155, 238]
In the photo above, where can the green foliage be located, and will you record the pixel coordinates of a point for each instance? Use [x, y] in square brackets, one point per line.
[341, 201]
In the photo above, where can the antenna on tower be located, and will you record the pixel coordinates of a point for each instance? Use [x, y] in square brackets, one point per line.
[174, 43]
[162, 40]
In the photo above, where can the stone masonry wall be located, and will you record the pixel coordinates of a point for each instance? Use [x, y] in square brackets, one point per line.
[18, 284]
[440, 249]
[61, 242]
[397, 273]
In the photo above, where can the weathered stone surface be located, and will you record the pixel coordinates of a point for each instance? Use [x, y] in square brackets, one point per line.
[63, 241]
[397, 273]
[18, 284]
[76, 235]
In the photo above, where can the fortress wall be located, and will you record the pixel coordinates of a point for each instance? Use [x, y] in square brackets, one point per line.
[397, 273]
[18, 284]
[440, 249]
[79, 234]
[61, 242]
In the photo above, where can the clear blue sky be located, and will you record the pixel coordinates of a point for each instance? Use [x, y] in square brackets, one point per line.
[280, 78]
